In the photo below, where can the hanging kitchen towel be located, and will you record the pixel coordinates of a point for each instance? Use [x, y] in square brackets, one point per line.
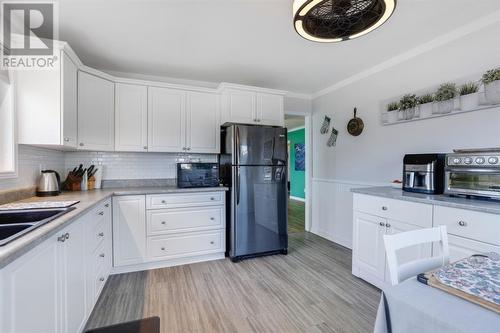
[332, 141]
[326, 125]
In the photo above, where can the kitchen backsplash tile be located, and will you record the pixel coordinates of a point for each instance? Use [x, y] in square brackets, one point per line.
[30, 161]
[128, 166]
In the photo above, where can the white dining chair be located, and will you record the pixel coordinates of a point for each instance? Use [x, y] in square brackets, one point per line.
[395, 242]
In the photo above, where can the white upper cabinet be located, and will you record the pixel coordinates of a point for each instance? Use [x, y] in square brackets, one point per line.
[239, 107]
[251, 105]
[202, 123]
[47, 105]
[166, 120]
[270, 109]
[95, 112]
[131, 117]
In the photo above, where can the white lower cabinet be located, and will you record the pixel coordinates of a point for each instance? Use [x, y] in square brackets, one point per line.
[46, 290]
[167, 229]
[375, 217]
[31, 289]
[369, 261]
[129, 230]
[469, 232]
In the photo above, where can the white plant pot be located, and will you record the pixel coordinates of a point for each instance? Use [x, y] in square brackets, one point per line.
[425, 109]
[409, 113]
[469, 102]
[492, 92]
[445, 106]
[392, 116]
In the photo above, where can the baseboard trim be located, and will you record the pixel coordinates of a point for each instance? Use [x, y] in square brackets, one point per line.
[166, 263]
[297, 199]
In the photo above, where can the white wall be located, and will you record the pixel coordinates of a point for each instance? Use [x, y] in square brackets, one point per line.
[30, 161]
[375, 157]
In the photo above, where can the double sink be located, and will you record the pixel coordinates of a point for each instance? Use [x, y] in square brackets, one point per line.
[15, 223]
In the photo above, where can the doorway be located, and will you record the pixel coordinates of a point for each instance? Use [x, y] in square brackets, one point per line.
[296, 172]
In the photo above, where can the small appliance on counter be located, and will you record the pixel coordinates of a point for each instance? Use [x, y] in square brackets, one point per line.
[197, 175]
[473, 173]
[423, 173]
[49, 184]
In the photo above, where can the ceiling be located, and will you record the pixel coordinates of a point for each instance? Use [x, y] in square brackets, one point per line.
[244, 41]
[294, 121]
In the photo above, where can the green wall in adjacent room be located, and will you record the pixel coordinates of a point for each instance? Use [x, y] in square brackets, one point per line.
[297, 178]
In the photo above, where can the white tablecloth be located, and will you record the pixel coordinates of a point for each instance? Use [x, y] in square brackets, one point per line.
[415, 307]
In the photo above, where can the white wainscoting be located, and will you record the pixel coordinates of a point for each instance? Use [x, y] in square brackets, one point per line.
[332, 209]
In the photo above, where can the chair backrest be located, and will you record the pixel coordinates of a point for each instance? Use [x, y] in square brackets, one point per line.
[402, 240]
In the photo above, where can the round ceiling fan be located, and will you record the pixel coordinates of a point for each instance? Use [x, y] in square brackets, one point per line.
[339, 20]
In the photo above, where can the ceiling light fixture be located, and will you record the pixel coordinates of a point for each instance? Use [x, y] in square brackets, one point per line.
[329, 21]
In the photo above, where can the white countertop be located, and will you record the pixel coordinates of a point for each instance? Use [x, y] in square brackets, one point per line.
[87, 200]
[485, 206]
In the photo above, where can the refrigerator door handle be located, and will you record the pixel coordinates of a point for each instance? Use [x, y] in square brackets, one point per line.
[237, 185]
[237, 148]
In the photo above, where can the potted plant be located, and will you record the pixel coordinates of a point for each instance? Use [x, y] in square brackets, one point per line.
[445, 96]
[407, 106]
[491, 81]
[392, 112]
[469, 98]
[425, 104]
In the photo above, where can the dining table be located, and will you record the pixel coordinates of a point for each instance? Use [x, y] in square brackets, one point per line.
[412, 307]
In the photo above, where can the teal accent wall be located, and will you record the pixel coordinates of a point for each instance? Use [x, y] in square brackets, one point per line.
[297, 178]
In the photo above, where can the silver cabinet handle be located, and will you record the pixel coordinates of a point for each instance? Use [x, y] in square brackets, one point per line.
[212, 198]
[163, 202]
[163, 249]
[81, 144]
[382, 224]
[101, 213]
[387, 225]
[106, 205]
[101, 234]
[212, 218]
[102, 279]
[384, 208]
[462, 223]
[61, 238]
[66, 139]
[163, 222]
[188, 148]
[145, 147]
[66, 235]
[102, 255]
[211, 242]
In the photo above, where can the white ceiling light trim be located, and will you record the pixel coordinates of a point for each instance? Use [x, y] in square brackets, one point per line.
[329, 21]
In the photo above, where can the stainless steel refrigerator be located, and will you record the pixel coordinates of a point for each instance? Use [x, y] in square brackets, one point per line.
[253, 163]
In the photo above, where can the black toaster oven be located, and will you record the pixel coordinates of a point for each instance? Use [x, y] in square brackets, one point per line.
[197, 175]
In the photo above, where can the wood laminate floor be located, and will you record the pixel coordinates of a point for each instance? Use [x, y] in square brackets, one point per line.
[309, 290]
[296, 216]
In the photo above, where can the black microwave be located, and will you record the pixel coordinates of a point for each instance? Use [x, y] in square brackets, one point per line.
[197, 175]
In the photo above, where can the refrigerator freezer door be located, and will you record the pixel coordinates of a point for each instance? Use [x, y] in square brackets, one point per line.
[260, 145]
[259, 216]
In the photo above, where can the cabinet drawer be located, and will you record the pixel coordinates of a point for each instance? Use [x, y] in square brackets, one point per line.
[99, 281]
[174, 200]
[185, 220]
[410, 212]
[99, 225]
[181, 245]
[474, 225]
